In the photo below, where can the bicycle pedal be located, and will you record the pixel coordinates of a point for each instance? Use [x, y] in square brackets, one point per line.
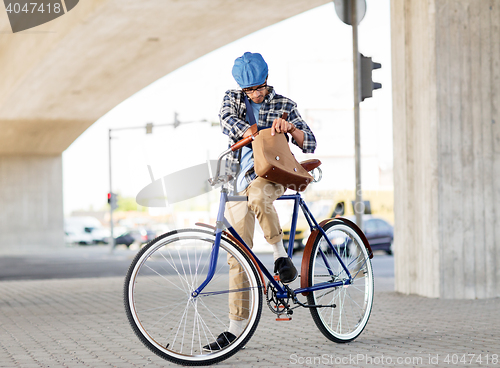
[281, 319]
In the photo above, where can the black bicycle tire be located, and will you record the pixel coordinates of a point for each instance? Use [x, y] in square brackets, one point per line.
[149, 345]
[310, 298]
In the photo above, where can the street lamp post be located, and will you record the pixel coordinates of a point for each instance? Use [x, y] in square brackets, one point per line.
[112, 238]
[149, 130]
[351, 12]
[357, 145]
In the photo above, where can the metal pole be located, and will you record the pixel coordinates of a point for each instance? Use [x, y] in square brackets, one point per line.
[112, 238]
[358, 204]
[175, 124]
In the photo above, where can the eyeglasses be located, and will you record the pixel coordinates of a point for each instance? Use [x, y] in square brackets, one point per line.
[250, 91]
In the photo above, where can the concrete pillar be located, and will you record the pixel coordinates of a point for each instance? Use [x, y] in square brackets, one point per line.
[446, 100]
[31, 214]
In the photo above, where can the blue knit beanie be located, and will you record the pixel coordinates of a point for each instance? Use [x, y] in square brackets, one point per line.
[250, 70]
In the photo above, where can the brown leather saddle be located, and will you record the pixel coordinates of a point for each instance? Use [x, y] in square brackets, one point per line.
[310, 165]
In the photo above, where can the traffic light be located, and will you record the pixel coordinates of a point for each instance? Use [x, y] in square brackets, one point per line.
[367, 85]
[113, 200]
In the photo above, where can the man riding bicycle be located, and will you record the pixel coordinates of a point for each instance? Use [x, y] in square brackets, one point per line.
[250, 72]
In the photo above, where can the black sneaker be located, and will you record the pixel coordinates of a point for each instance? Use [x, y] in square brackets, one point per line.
[222, 341]
[285, 268]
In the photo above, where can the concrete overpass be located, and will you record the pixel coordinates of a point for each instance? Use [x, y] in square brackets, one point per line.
[59, 78]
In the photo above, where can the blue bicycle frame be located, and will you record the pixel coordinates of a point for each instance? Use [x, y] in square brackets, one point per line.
[223, 223]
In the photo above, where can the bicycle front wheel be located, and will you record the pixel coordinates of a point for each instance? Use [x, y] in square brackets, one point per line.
[159, 303]
[346, 308]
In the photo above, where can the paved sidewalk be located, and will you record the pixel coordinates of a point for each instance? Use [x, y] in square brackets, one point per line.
[82, 323]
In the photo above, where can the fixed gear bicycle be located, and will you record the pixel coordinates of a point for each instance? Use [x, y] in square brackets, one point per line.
[176, 289]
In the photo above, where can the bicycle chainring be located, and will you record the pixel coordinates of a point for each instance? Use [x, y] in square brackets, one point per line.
[277, 305]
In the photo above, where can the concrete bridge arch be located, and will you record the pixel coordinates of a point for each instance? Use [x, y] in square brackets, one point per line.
[60, 77]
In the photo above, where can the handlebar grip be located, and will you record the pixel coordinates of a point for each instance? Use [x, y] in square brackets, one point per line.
[242, 143]
[284, 116]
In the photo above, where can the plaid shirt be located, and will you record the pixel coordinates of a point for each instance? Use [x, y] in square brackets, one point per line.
[232, 117]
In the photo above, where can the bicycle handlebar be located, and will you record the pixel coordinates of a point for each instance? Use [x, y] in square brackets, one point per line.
[242, 143]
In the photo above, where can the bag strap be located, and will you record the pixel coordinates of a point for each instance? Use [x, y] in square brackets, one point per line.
[251, 116]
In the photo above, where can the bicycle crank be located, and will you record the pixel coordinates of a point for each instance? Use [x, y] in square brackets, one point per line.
[279, 306]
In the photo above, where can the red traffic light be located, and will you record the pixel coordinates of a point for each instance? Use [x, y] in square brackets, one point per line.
[113, 200]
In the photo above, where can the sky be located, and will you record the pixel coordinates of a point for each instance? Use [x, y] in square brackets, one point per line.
[312, 66]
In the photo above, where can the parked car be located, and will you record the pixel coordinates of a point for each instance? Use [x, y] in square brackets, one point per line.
[143, 236]
[77, 235]
[85, 230]
[378, 232]
[138, 236]
[127, 239]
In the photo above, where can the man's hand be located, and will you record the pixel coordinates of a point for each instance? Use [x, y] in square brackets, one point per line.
[280, 126]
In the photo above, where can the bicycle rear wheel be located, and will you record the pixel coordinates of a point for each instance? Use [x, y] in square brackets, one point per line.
[353, 302]
[161, 309]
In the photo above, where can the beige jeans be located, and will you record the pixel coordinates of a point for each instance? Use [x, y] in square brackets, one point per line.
[261, 195]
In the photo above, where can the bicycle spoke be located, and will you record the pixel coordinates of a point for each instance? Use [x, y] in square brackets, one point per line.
[205, 328]
[213, 315]
[174, 267]
[182, 264]
[165, 315]
[163, 277]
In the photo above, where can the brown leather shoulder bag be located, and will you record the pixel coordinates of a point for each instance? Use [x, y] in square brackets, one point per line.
[273, 159]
